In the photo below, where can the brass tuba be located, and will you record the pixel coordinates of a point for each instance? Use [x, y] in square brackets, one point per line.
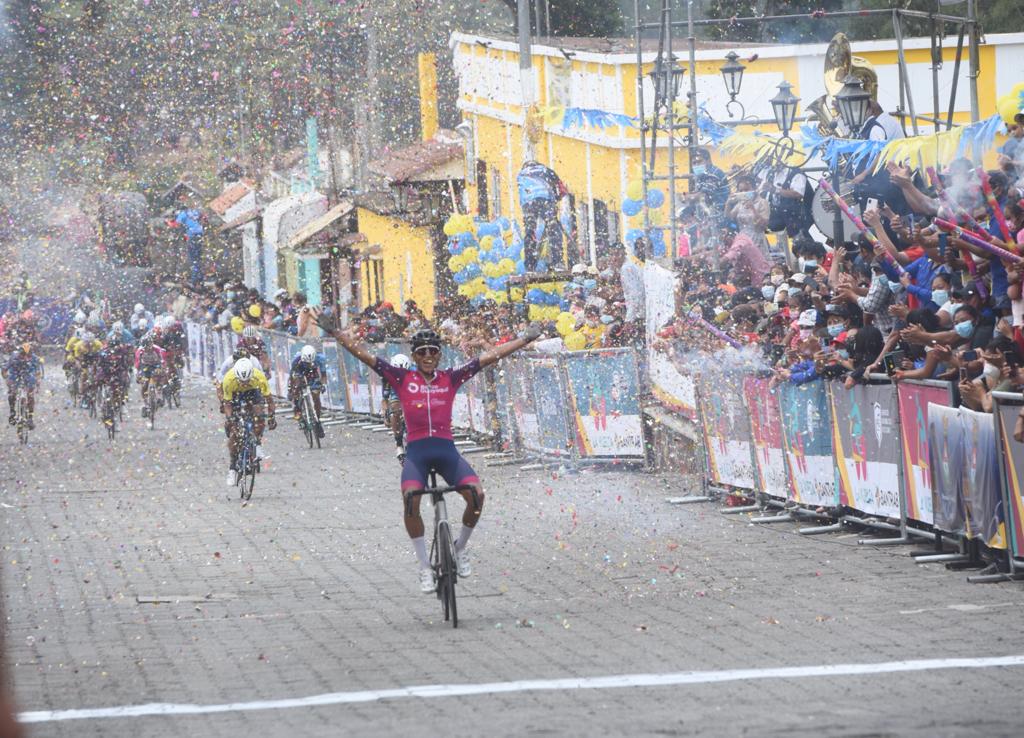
[839, 63]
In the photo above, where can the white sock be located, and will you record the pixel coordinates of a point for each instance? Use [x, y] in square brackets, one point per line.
[420, 546]
[463, 538]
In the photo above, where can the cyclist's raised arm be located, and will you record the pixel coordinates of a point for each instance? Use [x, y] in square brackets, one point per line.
[531, 334]
[358, 350]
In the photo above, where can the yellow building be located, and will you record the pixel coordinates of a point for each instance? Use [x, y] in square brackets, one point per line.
[601, 74]
[406, 257]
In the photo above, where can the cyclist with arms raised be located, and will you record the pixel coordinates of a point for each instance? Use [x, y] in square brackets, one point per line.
[22, 369]
[426, 394]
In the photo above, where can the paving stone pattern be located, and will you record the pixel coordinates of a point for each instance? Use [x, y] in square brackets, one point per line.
[312, 588]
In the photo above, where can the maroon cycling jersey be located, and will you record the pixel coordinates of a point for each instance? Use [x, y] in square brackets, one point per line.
[426, 405]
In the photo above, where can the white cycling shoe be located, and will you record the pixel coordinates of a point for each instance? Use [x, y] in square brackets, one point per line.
[427, 584]
[462, 563]
[232, 479]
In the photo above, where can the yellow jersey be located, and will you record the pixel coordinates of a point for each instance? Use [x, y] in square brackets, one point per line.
[232, 386]
[82, 348]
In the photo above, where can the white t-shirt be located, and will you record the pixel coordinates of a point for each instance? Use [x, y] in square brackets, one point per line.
[888, 128]
[1017, 307]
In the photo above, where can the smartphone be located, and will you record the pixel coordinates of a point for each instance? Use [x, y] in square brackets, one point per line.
[963, 374]
[971, 355]
[893, 361]
[1010, 357]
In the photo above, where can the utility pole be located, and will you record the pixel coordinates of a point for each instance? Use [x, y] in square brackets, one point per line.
[972, 56]
[525, 73]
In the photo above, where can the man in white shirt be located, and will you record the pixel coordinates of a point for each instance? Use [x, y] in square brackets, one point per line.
[632, 276]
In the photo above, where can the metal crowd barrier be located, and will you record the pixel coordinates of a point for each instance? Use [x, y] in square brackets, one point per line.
[900, 458]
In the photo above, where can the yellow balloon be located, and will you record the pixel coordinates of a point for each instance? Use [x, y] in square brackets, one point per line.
[575, 341]
[455, 263]
[470, 255]
[467, 224]
[237, 324]
[635, 190]
[450, 226]
[507, 266]
[465, 290]
[518, 294]
[1008, 106]
[486, 243]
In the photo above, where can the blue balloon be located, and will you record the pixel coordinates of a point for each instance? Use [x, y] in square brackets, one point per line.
[503, 223]
[631, 207]
[632, 235]
[589, 284]
[655, 198]
[520, 267]
[477, 300]
[535, 296]
[501, 281]
[542, 265]
[488, 229]
[564, 305]
[466, 239]
[472, 270]
[460, 277]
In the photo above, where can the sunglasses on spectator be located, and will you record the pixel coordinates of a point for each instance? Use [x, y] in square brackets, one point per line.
[427, 351]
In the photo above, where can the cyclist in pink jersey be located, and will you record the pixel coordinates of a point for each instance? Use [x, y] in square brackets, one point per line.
[427, 395]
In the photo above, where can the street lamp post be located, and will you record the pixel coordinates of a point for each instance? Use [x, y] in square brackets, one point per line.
[732, 74]
[853, 102]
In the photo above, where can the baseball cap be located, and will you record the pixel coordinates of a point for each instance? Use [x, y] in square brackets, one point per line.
[808, 319]
[799, 278]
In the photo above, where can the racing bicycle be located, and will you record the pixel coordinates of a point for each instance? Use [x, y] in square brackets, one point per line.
[21, 415]
[247, 465]
[309, 422]
[442, 548]
[109, 409]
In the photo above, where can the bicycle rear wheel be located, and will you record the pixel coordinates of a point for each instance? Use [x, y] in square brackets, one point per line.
[448, 573]
[307, 422]
[151, 404]
[23, 420]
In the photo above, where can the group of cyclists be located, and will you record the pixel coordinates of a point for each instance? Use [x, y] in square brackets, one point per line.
[419, 396]
[22, 368]
[99, 358]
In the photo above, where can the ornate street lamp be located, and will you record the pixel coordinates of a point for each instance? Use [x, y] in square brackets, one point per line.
[732, 73]
[662, 76]
[853, 102]
[784, 107]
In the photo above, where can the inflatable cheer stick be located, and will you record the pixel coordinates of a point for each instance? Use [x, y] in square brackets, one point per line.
[871, 237]
[997, 211]
[717, 332]
[955, 210]
[972, 239]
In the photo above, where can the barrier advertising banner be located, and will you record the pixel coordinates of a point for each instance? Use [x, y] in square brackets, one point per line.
[864, 436]
[335, 396]
[604, 389]
[807, 438]
[766, 430]
[522, 403]
[552, 429]
[983, 501]
[209, 358]
[727, 435]
[914, 400]
[357, 383]
[194, 332]
[945, 454]
[674, 389]
[1013, 473]
[280, 359]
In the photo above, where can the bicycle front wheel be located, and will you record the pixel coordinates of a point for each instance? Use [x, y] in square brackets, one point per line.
[448, 573]
[307, 422]
[23, 420]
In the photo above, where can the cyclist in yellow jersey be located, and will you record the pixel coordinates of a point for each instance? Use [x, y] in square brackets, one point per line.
[85, 352]
[245, 389]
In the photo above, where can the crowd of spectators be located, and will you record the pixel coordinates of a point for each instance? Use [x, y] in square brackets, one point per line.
[915, 302]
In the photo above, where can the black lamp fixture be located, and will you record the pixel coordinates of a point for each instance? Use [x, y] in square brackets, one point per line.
[853, 102]
[732, 73]
[784, 107]
[663, 75]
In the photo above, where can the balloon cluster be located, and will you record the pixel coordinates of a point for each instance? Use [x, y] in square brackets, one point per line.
[483, 256]
[545, 301]
[633, 205]
[1011, 105]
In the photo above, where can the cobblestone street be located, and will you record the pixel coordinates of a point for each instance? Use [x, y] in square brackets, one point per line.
[132, 575]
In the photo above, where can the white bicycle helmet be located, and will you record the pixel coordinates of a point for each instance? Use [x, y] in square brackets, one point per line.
[308, 354]
[117, 326]
[139, 308]
[79, 318]
[401, 361]
[243, 370]
[250, 331]
[88, 336]
[168, 321]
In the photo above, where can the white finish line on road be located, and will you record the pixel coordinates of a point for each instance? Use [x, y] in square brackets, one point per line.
[430, 691]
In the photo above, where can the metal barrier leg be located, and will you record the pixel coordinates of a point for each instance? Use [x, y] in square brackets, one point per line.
[834, 528]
